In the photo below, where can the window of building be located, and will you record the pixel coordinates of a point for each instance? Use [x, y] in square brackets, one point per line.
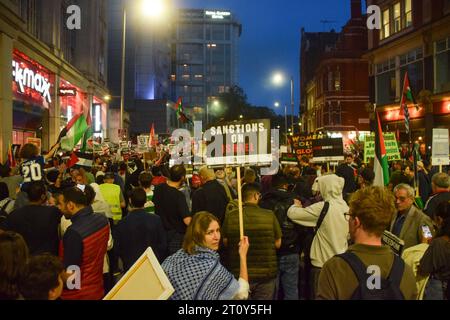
[408, 14]
[413, 63]
[330, 81]
[337, 81]
[442, 65]
[385, 32]
[385, 82]
[191, 31]
[218, 32]
[396, 18]
[227, 33]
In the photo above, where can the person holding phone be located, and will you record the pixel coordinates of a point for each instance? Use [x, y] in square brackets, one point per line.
[436, 260]
[408, 221]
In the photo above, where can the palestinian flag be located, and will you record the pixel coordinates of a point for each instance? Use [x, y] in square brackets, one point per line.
[179, 106]
[73, 132]
[180, 112]
[88, 135]
[380, 165]
[407, 96]
[80, 159]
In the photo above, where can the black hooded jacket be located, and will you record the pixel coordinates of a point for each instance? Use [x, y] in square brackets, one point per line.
[279, 201]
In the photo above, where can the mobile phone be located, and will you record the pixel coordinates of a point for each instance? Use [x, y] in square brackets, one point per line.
[426, 232]
[81, 187]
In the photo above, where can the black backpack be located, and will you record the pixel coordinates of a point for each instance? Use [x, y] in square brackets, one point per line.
[290, 233]
[389, 288]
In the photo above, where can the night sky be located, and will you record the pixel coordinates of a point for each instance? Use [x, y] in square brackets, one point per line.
[270, 40]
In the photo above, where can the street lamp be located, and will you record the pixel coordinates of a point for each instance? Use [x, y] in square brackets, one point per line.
[151, 8]
[278, 80]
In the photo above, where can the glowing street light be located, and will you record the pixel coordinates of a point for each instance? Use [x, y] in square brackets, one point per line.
[151, 8]
[278, 79]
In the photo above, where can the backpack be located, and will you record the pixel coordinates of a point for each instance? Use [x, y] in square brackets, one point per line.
[231, 206]
[390, 287]
[290, 232]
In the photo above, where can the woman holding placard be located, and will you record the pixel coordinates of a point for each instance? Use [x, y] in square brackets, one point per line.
[195, 271]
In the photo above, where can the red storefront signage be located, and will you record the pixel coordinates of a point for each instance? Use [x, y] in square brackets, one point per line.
[31, 82]
[397, 115]
[67, 92]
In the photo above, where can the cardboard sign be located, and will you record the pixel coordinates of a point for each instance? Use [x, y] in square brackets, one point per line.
[145, 280]
[440, 147]
[394, 242]
[142, 143]
[288, 159]
[302, 145]
[328, 149]
[390, 142]
[239, 143]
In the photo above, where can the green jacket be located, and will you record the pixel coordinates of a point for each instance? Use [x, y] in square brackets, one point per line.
[262, 228]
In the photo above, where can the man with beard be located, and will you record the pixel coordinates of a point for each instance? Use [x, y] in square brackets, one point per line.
[84, 247]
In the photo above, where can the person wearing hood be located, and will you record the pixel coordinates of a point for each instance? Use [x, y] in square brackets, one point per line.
[279, 200]
[329, 220]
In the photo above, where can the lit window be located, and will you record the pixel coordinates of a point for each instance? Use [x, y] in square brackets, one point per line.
[408, 13]
[397, 15]
[386, 24]
[337, 81]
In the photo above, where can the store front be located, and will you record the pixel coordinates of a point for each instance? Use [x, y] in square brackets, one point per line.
[33, 88]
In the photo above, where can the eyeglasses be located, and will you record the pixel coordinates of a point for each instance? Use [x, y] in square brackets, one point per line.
[402, 199]
[347, 216]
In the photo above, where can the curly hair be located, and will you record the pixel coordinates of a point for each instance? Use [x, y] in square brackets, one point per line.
[28, 151]
[375, 207]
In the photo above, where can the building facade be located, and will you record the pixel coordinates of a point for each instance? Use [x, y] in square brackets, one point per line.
[205, 46]
[147, 63]
[50, 73]
[337, 92]
[414, 38]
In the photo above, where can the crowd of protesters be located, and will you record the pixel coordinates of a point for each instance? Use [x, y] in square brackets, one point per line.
[71, 233]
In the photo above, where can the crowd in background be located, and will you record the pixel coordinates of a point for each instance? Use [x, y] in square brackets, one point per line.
[309, 233]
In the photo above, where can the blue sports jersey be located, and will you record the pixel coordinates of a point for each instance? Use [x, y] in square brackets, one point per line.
[32, 170]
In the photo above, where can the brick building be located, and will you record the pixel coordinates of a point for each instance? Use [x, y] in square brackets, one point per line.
[414, 37]
[336, 94]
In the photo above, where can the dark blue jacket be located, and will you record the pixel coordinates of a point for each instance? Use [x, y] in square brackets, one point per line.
[135, 233]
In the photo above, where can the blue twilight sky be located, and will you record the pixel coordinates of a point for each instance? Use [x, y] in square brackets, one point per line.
[270, 40]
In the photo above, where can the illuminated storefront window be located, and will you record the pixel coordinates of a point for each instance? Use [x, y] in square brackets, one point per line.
[33, 92]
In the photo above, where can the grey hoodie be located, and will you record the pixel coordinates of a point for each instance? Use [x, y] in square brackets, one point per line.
[331, 238]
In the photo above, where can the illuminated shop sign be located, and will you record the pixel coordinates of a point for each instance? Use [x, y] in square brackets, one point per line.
[218, 14]
[30, 80]
[67, 92]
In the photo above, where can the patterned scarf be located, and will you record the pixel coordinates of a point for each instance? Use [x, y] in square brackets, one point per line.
[199, 276]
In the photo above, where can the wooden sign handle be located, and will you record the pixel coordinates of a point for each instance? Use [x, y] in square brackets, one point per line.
[241, 217]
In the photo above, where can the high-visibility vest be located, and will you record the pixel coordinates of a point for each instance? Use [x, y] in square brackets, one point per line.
[111, 194]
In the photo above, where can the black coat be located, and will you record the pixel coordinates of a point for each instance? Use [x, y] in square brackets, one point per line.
[211, 197]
